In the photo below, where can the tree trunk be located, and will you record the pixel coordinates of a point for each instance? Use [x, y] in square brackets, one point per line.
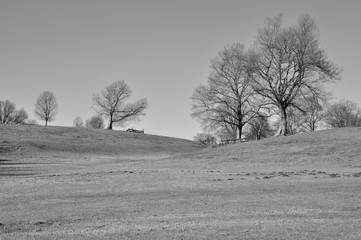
[46, 122]
[239, 119]
[110, 127]
[283, 128]
[110, 124]
[240, 126]
[258, 135]
[313, 126]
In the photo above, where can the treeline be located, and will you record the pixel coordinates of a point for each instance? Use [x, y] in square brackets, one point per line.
[45, 109]
[277, 87]
[109, 104]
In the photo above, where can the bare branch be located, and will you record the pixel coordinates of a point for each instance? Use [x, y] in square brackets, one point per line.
[290, 62]
[110, 103]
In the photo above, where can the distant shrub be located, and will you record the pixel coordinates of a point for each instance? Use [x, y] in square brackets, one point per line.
[95, 122]
[205, 139]
[31, 122]
[78, 122]
[344, 113]
[259, 128]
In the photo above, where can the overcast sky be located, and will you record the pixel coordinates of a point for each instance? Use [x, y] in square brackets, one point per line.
[162, 49]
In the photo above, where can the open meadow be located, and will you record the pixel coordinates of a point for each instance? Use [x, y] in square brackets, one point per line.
[70, 183]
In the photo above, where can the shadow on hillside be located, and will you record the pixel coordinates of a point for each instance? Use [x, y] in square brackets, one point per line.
[6, 162]
[7, 169]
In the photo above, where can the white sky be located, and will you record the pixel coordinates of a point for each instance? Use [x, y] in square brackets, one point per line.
[162, 49]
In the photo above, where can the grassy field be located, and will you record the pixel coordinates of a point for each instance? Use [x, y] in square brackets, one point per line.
[67, 183]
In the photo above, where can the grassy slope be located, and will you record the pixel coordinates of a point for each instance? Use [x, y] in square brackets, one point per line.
[337, 146]
[35, 139]
[305, 186]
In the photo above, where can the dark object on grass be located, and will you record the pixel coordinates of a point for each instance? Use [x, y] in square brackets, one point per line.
[134, 130]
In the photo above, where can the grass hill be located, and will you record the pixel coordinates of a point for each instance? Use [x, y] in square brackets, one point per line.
[68, 183]
[328, 146]
[28, 139]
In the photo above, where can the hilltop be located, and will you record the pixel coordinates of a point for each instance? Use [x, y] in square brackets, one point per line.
[327, 146]
[34, 140]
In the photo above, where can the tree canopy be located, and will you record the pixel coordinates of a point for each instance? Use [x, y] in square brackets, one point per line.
[288, 63]
[286, 69]
[227, 102]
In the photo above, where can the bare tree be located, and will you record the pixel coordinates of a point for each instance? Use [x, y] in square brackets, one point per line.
[9, 114]
[78, 122]
[227, 103]
[343, 113]
[290, 63]
[314, 114]
[46, 107]
[95, 122]
[110, 103]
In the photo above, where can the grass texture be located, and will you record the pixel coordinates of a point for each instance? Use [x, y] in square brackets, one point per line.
[68, 183]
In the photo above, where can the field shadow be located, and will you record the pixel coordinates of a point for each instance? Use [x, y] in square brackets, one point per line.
[11, 168]
[3, 161]
[7, 162]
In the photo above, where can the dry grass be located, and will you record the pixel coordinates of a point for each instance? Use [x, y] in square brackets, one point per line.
[327, 145]
[39, 139]
[66, 185]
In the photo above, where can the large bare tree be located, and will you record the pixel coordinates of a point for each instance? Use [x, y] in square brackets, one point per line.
[290, 63]
[227, 102]
[110, 103]
[46, 107]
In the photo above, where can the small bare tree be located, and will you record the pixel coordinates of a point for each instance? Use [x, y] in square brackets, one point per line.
[110, 103]
[46, 107]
